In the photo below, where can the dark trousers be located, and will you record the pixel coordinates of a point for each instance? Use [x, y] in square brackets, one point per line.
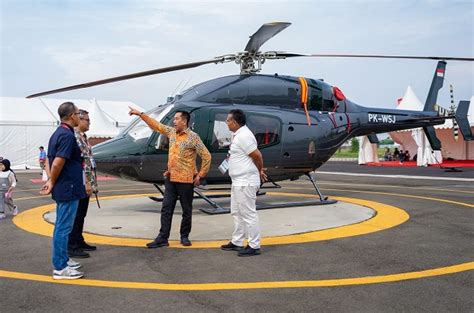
[185, 193]
[75, 237]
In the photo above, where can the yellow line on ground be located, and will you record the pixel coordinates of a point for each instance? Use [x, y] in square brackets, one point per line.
[407, 196]
[387, 216]
[396, 187]
[248, 285]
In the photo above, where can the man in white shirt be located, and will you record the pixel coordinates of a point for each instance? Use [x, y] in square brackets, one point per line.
[246, 172]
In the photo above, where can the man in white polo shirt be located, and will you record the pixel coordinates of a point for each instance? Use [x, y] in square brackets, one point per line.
[246, 172]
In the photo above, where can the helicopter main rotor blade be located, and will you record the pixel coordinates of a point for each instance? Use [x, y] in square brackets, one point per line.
[379, 56]
[129, 76]
[264, 33]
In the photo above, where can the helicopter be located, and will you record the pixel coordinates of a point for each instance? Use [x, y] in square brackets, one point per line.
[299, 122]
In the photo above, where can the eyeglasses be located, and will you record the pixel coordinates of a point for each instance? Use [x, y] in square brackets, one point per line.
[86, 119]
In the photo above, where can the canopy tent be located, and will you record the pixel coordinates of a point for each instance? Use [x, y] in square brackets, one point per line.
[26, 124]
[367, 151]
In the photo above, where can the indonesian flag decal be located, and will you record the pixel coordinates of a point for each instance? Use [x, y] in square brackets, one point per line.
[440, 72]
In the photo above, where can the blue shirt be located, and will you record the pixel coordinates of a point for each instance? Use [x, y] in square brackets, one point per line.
[70, 183]
[42, 155]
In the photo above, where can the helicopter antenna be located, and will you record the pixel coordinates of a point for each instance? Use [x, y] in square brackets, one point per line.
[453, 108]
[177, 86]
[186, 84]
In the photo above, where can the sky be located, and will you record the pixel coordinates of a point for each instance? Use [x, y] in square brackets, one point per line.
[56, 43]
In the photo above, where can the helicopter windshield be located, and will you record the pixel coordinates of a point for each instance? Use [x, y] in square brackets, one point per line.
[139, 130]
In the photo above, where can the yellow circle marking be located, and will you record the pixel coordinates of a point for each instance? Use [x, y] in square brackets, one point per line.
[254, 285]
[248, 285]
[387, 216]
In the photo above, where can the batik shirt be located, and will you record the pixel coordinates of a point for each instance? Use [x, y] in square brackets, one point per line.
[183, 149]
[89, 163]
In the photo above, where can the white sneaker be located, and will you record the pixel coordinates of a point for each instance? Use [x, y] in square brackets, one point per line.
[67, 273]
[15, 211]
[73, 264]
[2, 216]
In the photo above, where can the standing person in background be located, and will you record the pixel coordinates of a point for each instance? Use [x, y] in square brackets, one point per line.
[9, 176]
[42, 157]
[246, 172]
[77, 247]
[66, 184]
[181, 176]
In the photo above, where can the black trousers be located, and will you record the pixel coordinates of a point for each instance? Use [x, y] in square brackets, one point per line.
[185, 193]
[75, 237]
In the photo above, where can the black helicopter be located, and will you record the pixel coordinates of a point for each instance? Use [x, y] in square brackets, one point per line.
[299, 122]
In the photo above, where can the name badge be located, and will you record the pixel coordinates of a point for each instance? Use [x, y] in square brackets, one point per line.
[224, 167]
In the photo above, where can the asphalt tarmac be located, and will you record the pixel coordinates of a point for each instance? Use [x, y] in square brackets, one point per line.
[422, 264]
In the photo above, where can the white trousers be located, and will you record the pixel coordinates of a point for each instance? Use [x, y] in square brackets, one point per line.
[244, 212]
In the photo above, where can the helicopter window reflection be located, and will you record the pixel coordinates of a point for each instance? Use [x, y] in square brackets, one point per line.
[222, 136]
[140, 131]
[266, 129]
[315, 101]
[274, 91]
[234, 92]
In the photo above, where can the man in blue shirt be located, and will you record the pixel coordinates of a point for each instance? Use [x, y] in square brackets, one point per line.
[66, 183]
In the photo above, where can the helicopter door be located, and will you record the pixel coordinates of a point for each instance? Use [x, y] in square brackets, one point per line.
[266, 128]
[299, 145]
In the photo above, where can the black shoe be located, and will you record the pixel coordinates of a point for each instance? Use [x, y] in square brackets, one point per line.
[185, 241]
[248, 251]
[87, 247]
[231, 247]
[77, 253]
[158, 242]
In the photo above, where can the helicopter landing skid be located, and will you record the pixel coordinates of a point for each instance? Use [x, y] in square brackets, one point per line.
[200, 195]
[217, 209]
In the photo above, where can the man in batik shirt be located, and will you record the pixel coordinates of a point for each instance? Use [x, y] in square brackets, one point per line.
[77, 246]
[181, 176]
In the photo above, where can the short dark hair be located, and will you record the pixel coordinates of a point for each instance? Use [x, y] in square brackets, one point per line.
[239, 116]
[82, 112]
[66, 109]
[186, 115]
[41, 147]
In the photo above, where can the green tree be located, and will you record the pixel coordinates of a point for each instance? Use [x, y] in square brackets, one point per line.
[354, 145]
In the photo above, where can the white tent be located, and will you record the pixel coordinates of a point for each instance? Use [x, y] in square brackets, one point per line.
[367, 150]
[416, 141]
[26, 124]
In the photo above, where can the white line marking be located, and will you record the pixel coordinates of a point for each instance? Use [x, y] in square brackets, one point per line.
[398, 176]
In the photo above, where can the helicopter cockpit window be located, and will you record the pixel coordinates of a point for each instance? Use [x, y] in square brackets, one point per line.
[140, 130]
[266, 129]
[221, 136]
